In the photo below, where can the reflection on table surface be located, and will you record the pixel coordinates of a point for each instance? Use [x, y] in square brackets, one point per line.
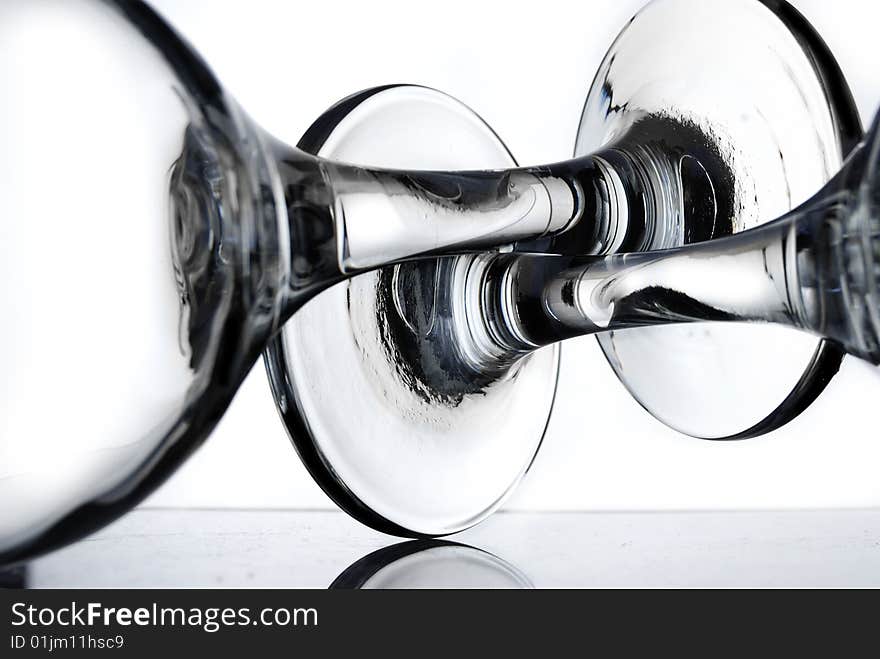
[430, 564]
[260, 548]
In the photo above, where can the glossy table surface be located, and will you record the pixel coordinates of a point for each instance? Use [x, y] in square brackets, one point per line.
[282, 548]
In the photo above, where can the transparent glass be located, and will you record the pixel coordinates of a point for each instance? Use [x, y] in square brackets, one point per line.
[155, 241]
[672, 149]
[760, 84]
[368, 376]
[816, 269]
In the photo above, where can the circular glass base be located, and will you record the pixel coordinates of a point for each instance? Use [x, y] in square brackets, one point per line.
[390, 431]
[756, 80]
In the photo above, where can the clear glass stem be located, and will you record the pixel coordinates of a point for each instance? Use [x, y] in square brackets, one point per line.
[541, 233]
[638, 193]
[744, 278]
[816, 269]
[344, 219]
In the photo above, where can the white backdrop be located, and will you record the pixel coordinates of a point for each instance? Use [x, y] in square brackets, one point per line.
[288, 61]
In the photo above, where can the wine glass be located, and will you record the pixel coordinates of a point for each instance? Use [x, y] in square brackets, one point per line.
[414, 421]
[155, 240]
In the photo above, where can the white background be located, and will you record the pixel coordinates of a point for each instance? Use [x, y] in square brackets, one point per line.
[525, 67]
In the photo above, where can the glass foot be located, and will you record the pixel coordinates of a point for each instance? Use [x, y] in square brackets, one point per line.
[368, 376]
[757, 80]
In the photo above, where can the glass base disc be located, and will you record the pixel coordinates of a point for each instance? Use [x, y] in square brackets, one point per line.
[358, 373]
[762, 87]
